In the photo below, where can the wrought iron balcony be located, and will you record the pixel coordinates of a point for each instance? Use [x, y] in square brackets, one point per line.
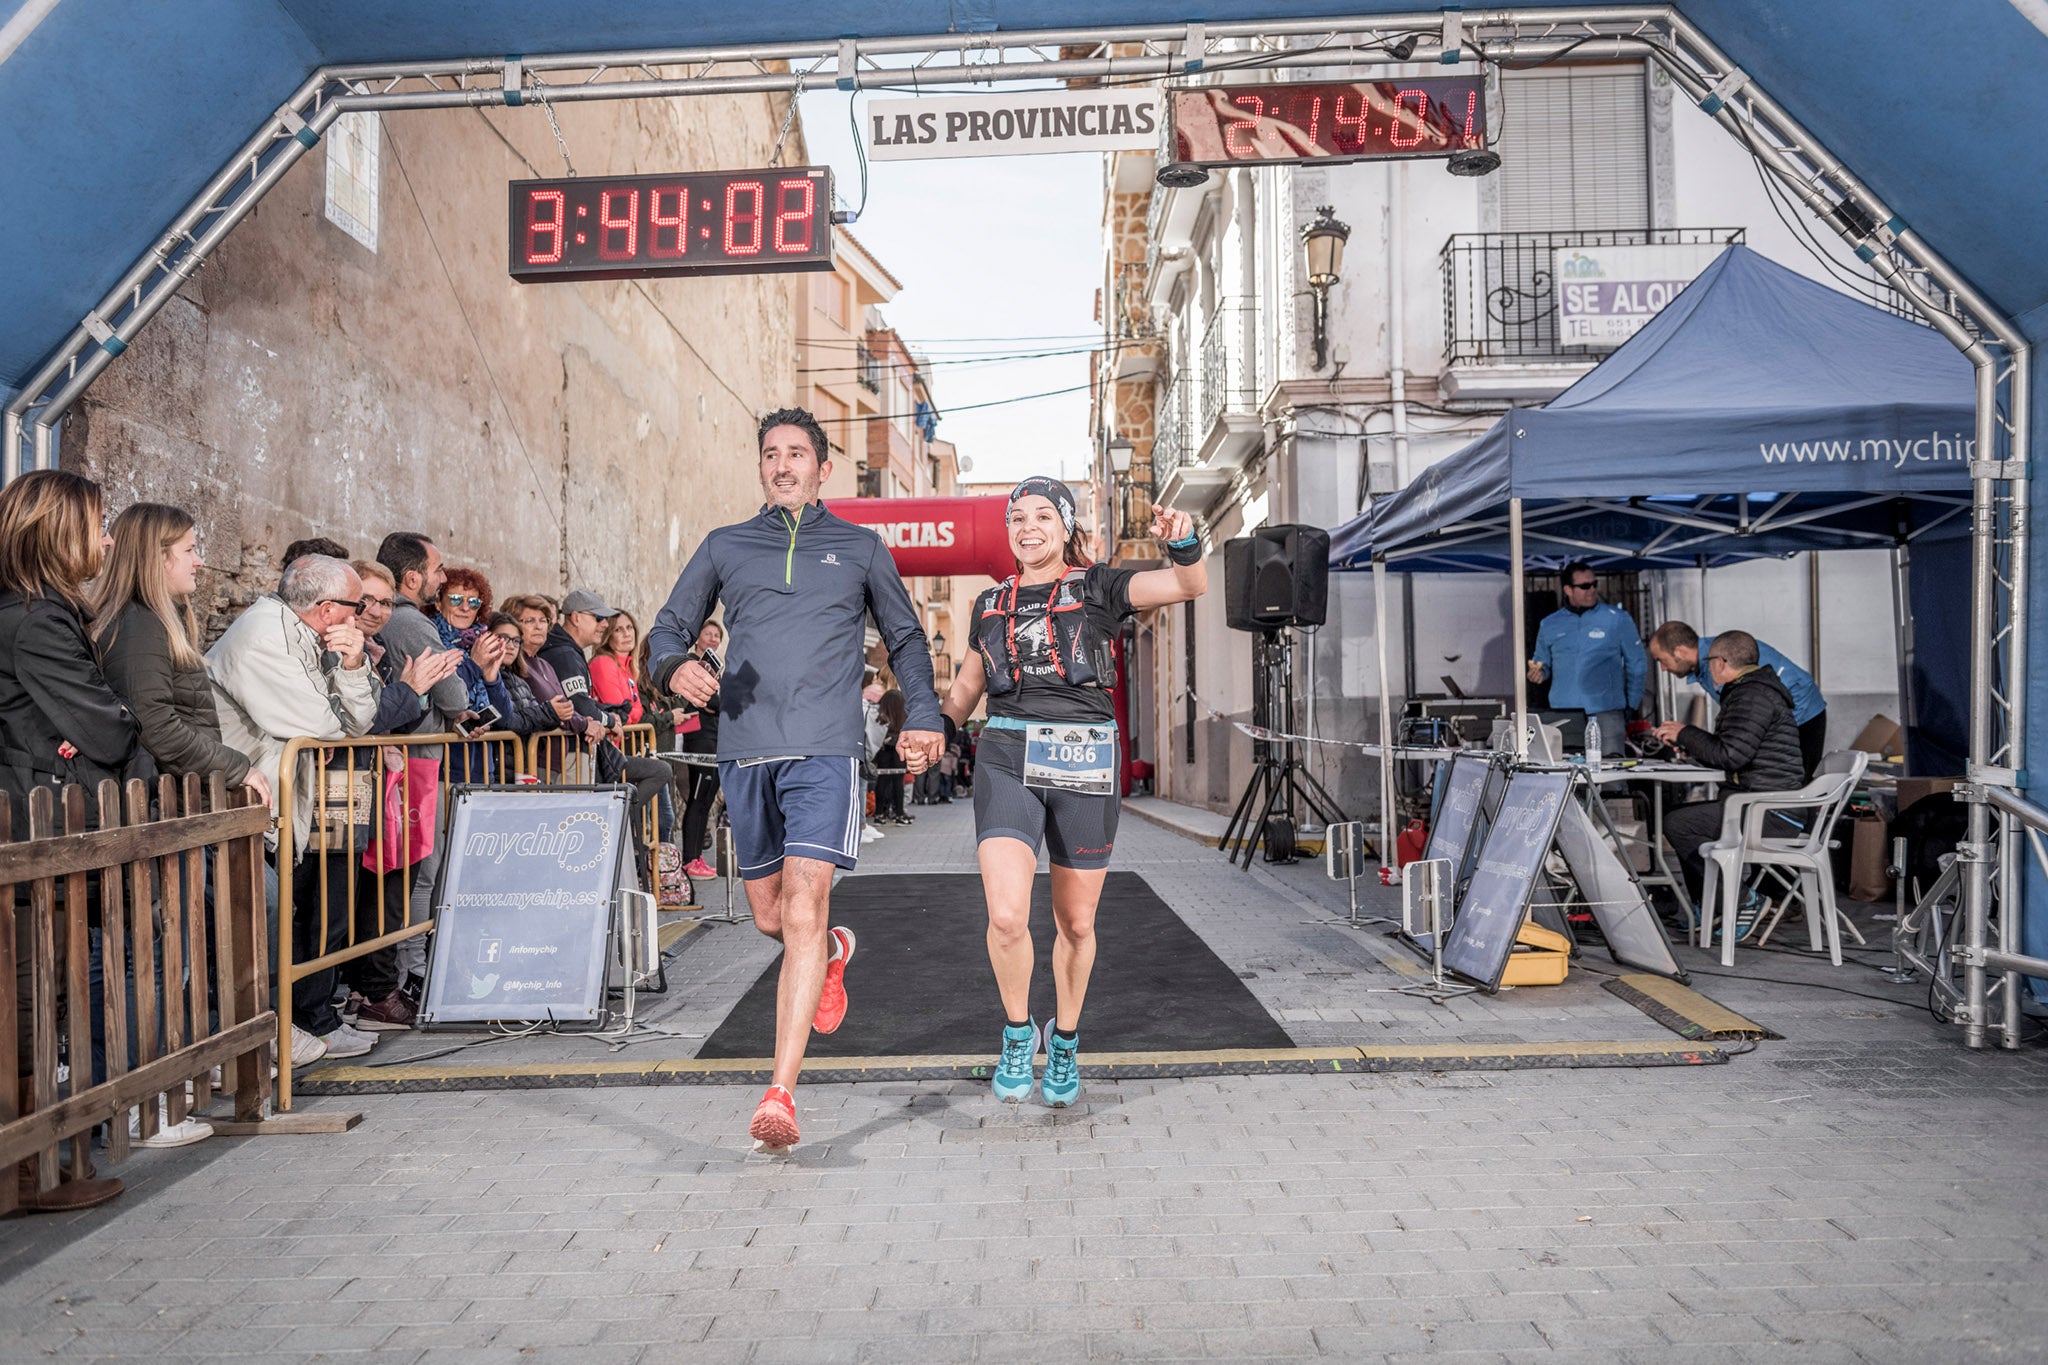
[870, 367]
[1229, 368]
[1135, 521]
[1500, 297]
[1171, 432]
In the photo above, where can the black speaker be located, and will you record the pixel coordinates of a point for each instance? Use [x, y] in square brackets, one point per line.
[1277, 576]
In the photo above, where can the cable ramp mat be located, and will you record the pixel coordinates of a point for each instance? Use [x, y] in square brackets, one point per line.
[403, 1078]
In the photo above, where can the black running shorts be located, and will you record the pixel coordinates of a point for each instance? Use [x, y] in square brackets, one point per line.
[1077, 829]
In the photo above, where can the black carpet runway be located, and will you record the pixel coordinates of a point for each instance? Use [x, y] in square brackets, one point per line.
[920, 982]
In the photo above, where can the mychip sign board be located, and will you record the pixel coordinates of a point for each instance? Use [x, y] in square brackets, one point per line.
[1497, 898]
[1605, 294]
[526, 906]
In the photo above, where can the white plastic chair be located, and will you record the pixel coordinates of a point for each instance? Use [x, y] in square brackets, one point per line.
[1743, 846]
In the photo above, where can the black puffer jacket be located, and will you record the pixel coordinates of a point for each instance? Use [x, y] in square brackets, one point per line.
[52, 693]
[173, 705]
[1756, 741]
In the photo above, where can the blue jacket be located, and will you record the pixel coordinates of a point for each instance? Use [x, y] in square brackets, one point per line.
[1807, 702]
[797, 594]
[1593, 661]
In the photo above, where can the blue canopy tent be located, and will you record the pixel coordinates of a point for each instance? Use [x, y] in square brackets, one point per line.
[1759, 414]
[136, 133]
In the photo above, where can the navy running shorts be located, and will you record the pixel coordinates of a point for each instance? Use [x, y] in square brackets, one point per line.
[794, 807]
[1077, 830]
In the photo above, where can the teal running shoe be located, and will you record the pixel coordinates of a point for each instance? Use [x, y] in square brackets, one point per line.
[1013, 1068]
[1062, 1083]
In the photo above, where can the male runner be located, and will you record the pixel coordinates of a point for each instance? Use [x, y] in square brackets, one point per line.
[798, 586]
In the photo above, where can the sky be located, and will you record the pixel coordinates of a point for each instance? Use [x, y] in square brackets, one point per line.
[996, 255]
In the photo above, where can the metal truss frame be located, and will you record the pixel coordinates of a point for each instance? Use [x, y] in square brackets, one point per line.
[1896, 253]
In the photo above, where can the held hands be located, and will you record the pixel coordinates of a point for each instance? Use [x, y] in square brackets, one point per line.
[920, 748]
[565, 709]
[1168, 524]
[347, 641]
[422, 671]
[694, 683]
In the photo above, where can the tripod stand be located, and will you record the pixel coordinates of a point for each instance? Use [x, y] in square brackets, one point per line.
[1278, 782]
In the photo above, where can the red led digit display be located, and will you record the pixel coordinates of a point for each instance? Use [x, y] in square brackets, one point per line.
[1347, 121]
[716, 223]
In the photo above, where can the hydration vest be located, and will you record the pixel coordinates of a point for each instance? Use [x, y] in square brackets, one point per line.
[1082, 655]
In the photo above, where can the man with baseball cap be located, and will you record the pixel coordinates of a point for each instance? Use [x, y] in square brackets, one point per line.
[799, 586]
[578, 628]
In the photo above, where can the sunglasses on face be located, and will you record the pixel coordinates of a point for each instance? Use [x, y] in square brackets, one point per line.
[1582, 587]
[455, 599]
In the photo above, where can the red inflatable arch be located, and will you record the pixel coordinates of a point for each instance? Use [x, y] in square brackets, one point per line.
[936, 537]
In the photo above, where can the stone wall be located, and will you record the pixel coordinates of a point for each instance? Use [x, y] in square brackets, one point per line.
[552, 436]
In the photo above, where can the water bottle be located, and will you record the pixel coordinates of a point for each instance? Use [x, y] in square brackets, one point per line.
[1593, 743]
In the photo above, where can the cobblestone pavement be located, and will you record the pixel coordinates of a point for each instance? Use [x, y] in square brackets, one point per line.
[1864, 1190]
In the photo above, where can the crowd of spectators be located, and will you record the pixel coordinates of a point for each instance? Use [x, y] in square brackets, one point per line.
[104, 673]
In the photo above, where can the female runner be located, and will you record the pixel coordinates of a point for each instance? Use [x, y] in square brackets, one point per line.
[1044, 652]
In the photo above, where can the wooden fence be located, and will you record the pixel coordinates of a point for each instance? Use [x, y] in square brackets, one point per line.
[186, 975]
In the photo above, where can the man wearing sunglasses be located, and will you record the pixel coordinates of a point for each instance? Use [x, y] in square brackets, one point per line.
[1592, 656]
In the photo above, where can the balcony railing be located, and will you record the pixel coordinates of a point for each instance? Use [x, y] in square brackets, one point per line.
[1170, 433]
[870, 367]
[1500, 300]
[1229, 369]
[1135, 521]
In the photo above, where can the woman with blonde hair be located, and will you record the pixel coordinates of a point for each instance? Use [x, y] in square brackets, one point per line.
[148, 638]
[59, 723]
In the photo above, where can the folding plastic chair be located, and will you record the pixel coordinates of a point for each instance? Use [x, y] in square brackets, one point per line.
[1802, 859]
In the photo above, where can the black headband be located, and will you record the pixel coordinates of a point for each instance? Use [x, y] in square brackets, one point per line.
[1053, 491]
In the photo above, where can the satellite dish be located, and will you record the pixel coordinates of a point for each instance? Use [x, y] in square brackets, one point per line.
[966, 464]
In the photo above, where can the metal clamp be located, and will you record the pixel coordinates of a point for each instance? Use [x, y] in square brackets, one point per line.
[1723, 90]
[1454, 37]
[97, 328]
[515, 82]
[1197, 44]
[2015, 471]
[297, 127]
[849, 65]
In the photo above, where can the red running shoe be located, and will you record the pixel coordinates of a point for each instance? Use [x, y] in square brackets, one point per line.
[774, 1124]
[832, 1001]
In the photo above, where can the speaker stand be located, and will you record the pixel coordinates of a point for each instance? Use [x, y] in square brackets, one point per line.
[1279, 783]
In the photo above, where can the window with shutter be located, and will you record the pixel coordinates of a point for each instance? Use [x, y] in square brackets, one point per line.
[1574, 149]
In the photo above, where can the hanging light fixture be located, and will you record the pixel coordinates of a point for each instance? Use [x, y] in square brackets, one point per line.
[1322, 241]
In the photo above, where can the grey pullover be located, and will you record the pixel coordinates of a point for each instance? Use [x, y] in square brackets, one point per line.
[797, 596]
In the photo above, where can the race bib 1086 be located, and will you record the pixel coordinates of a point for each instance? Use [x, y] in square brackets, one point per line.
[1071, 757]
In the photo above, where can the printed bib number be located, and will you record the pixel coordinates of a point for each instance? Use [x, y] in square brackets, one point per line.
[1074, 758]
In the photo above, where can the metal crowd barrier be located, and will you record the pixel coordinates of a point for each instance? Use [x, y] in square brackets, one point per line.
[352, 783]
[360, 911]
[172, 878]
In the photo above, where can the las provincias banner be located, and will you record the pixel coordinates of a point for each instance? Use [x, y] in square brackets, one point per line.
[1013, 124]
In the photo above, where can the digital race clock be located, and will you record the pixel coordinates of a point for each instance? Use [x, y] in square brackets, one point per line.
[1218, 125]
[714, 223]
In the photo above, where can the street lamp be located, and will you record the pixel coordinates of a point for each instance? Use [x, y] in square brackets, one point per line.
[939, 643]
[1120, 456]
[1323, 243]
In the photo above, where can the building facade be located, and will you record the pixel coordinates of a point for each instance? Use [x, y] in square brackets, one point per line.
[872, 393]
[1446, 312]
[356, 360]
